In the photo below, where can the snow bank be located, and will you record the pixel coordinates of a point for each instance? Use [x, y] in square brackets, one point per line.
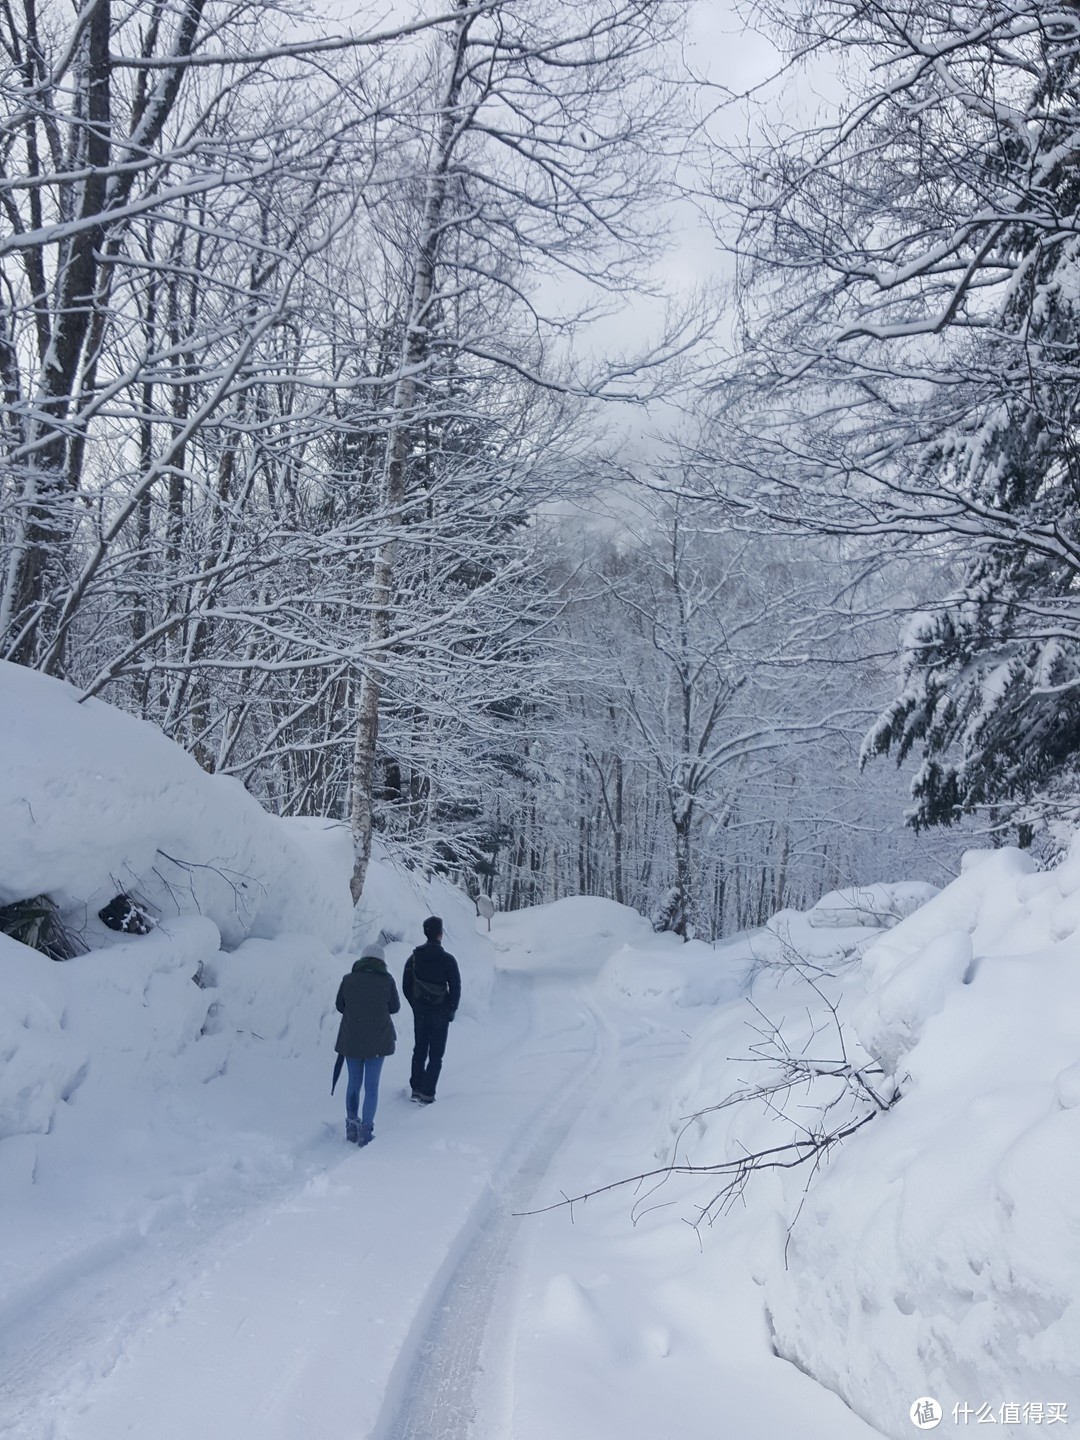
[687, 975]
[55, 1018]
[877, 906]
[93, 802]
[799, 937]
[939, 1252]
[573, 936]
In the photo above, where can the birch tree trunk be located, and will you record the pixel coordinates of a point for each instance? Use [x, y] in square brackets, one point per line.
[416, 348]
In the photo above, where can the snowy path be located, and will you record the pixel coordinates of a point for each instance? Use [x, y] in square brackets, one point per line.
[472, 1314]
[58, 1344]
[297, 1302]
[392, 1294]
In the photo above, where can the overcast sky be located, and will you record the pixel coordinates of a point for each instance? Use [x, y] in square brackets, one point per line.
[732, 59]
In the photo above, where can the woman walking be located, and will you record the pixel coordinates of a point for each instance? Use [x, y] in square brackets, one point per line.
[366, 998]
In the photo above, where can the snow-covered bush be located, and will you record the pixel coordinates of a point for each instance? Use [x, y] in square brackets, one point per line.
[37, 922]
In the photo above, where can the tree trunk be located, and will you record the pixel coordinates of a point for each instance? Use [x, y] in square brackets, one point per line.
[684, 877]
[49, 513]
[620, 886]
[415, 352]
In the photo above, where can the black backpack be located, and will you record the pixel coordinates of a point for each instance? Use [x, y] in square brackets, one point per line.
[428, 992]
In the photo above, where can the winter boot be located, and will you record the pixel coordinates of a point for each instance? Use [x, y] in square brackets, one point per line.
[367, 1134]
[352, 1131]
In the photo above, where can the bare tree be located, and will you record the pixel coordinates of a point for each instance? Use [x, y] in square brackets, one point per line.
[536, 158]
[707, 681]
[821, 1091]
[908, 280]
[170, 175]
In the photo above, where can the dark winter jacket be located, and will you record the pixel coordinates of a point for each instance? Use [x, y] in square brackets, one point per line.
[367, 997]
[432, 966]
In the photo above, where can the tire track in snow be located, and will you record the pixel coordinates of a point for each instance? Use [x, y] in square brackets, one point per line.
[437, 1394]
[67, 1330]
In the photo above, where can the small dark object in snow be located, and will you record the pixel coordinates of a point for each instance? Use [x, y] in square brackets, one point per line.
[121, 913]
[37, 923]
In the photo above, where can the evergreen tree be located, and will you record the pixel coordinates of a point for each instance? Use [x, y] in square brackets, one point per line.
[991, 674]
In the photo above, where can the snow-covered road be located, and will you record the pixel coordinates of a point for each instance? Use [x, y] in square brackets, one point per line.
[395, 1292]
[465, 1341]
[285, 1303]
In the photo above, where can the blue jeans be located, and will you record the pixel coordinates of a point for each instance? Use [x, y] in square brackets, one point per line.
[365, 1073]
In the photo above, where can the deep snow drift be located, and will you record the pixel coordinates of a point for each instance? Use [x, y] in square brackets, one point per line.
[940, 1252]
[936, 1252]
[93, 802]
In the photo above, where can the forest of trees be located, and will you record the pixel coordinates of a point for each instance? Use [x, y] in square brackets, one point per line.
[310, 421]
[908, 294]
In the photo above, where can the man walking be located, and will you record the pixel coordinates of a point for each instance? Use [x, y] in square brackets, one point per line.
[432, 986]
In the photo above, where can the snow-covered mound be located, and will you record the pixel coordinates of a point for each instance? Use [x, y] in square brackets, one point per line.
[574, 935]
[662, 967]
[940, 1252]
[877, 906]
[94, 802]
[54, 1020]
[838, 930]
[936, 1250]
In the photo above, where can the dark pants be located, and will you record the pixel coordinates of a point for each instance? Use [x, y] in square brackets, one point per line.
[429, 1028]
